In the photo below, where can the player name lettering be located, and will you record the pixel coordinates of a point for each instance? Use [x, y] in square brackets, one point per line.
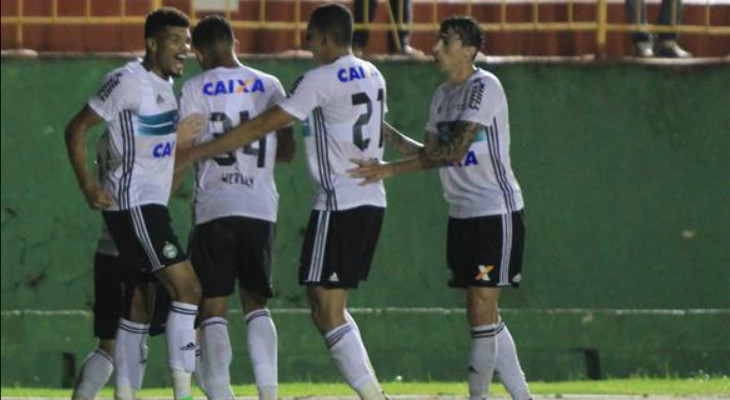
[237, 178]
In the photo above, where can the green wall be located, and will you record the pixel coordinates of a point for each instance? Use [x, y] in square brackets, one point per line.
[626, 175]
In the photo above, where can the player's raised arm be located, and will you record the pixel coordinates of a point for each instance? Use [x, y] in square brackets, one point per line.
[405, 145]
[248, 132]
[75, 136]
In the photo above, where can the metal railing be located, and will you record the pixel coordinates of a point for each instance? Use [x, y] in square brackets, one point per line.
[601, 25]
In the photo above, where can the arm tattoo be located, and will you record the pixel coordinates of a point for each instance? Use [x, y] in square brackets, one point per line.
[437, 153]
[405, 145]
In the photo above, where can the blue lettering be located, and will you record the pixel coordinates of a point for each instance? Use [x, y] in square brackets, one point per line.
[471, 159]
[233, 86]
[341, 75]
[353, 74]
[220, 88]
[163, 150]
[258, 86]
[207, 89]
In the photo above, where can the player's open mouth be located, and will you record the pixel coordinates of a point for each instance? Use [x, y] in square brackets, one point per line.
[181, 58]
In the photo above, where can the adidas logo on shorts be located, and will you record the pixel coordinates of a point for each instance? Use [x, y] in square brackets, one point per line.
[334, 278]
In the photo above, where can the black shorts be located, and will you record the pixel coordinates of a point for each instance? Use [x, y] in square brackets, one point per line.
[144, 237]
[486, 251]
[339, 246]
[230, 248]
[109, 274]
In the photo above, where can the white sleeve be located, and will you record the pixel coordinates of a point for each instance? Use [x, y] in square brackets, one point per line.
[484, 99]
[278, 94]
[305, 96]
[189, 103]
[116, 93]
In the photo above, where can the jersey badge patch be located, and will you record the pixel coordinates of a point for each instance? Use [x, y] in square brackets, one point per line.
[169, 250]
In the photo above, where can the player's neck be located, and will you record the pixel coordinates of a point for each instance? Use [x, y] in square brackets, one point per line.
[335, 53]
[151, 67]
[462, 73]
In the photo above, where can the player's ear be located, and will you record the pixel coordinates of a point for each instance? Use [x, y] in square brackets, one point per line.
[151, 43]
[199, 56]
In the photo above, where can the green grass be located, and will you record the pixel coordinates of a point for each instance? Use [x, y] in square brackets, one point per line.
[638, 386]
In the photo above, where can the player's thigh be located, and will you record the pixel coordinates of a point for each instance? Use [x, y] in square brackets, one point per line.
[256, 257]
[339, 247]
[485, 251]
[107, 295]
[145, 237]
[214, 254]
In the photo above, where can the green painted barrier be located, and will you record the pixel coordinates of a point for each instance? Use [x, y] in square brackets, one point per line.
[626, 176]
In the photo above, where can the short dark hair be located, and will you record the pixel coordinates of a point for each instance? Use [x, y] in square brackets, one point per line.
[163, 17]
[466, 27]
[211, 31]
[335, 20]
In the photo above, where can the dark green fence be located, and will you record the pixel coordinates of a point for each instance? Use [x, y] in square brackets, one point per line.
[626, 176]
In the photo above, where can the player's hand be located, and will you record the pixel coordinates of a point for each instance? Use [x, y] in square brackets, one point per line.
[95, 195]
[371, 171]
[189, 129]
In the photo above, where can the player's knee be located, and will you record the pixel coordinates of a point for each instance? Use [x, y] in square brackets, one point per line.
[327, 319]
[187, 291]
[214, 307]
[252, 302]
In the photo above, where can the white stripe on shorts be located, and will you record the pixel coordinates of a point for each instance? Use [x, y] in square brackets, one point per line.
[506, 249]
[144, 239]
[320, 245]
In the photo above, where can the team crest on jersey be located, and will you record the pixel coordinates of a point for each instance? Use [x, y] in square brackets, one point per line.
[169, 250]
[233, 86]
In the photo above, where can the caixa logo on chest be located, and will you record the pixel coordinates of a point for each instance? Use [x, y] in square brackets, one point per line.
[162, 150]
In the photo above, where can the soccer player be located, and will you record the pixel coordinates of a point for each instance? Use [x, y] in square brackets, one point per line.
[235, 208]
[343, 101]
[140, 109]
[467, 137]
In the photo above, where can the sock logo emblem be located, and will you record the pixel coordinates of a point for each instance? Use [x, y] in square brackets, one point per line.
[188, 347]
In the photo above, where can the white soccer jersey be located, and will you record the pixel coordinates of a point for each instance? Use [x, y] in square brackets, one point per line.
[344, 103]
[141, 114]
[240, 183]
[483, 182]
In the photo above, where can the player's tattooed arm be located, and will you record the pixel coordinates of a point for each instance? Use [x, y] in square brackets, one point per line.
[405, 145]
[436, 153]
